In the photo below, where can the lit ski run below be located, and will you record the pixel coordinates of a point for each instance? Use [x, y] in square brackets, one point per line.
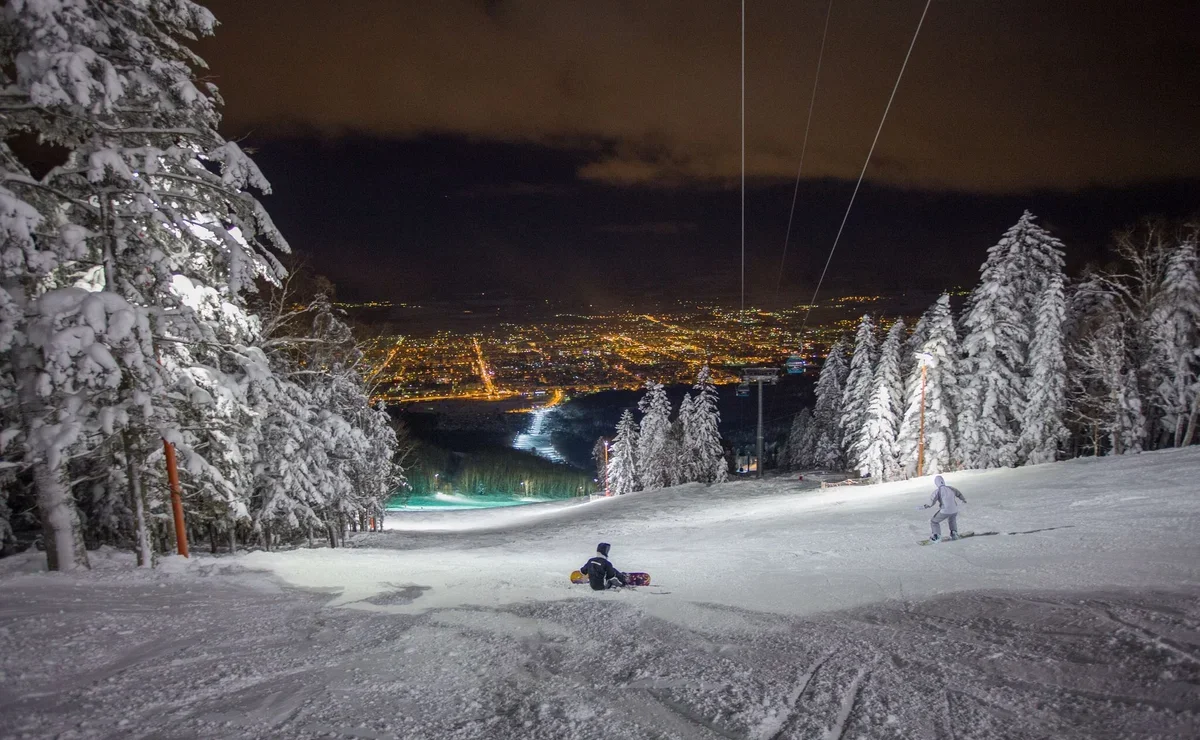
[778, 610]
[536, 438]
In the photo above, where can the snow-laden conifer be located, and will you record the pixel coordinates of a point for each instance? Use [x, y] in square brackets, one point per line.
[876, 446]
[996, 334]
[653, 451]
[940, 356]
[155, 199]
[856, 395]
[1175, 336]
[622, 457]
[326, 456]
[827, 414]
[1042, 428]
[797, 451]
[1141, 308]
[999, 326]
[703, 455]
[1103, 395]
[677, 444]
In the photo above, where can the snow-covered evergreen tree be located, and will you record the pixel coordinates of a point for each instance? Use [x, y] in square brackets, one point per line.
[912, 347]
[1103, 389]
[325, 456]
[654, 451]
[995, 336]
[860, 382]
[1144, 309]
[600, 460]
[827, 414]
[876, 445]
[798, 451]
[999, 325]
[677, 444]
[940, 397]
[1042, 429]
[158, 197]
[1175, 337]
[622, 457]
[703, 455]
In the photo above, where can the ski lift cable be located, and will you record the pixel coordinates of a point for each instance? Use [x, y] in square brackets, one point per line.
[875, 141]
[787, 237]
[743, 306]
[812, 100]
[858, 184]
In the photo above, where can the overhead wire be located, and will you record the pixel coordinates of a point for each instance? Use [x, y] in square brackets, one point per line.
[861, 174]
[742, 313]
[858, 184]
[812, 100]
[787, 237]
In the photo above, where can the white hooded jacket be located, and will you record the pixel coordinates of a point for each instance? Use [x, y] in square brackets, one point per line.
[944, 496]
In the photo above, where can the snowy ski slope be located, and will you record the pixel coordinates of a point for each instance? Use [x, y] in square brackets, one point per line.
[777, 610]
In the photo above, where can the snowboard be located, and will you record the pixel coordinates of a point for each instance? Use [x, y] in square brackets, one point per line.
[961, 536]
[631, 579]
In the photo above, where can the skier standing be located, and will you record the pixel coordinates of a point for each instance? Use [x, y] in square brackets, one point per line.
[944, 496]
[600, 572]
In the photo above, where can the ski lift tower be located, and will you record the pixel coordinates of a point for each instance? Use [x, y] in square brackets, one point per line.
[760, 375]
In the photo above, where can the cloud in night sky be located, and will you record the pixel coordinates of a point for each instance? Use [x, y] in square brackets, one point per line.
[999, 96]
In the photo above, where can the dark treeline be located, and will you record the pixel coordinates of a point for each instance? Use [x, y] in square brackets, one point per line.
[491, 470]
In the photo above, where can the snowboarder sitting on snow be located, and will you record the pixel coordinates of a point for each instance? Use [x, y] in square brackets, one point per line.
[943, 496]
[601, 573]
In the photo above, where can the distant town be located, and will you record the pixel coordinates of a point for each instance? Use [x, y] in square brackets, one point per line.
[576, 353]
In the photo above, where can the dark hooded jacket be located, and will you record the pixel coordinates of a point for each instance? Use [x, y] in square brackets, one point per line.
[599, 571]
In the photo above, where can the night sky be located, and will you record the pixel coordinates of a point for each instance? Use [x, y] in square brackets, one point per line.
[590, 150]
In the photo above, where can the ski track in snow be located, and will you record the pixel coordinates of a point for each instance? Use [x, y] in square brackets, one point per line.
[784, 612]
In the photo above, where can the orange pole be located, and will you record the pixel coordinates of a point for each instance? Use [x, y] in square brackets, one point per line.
[181, 542]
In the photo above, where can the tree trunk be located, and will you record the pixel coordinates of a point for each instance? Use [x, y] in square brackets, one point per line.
[212, 536]
[1195, 417]
[329, 531]
[145, 553]
[266, 536]
[62, 530]
[233, 538]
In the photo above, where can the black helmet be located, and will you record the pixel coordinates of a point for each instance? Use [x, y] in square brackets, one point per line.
[603, 548]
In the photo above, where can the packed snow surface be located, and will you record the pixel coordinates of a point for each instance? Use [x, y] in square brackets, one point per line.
[777, 610]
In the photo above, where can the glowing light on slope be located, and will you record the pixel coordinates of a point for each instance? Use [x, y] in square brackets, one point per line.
[536, 439]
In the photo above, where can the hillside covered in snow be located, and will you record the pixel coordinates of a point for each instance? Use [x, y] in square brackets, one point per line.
[777, 610]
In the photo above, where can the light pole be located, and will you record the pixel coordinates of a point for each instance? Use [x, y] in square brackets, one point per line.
[606, 493]
[924, 358]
